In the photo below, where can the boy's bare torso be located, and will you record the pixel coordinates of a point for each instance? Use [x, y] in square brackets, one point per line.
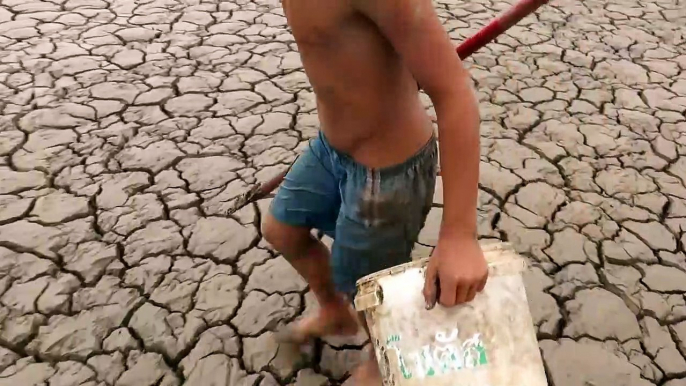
[367, 99]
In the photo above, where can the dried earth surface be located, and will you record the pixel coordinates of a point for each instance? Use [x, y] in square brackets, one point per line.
[127, 129]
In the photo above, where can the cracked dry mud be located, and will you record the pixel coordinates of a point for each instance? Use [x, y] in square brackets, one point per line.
[128, 128]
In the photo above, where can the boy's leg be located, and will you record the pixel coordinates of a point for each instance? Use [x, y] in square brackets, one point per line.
[310, 257]
[309, 198]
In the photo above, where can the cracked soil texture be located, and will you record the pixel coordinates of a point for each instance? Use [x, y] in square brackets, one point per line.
[127, 129]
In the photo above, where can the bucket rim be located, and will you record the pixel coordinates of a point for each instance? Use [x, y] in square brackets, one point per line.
[486, 247]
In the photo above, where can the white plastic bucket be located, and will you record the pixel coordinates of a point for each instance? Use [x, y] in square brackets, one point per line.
[490, 341]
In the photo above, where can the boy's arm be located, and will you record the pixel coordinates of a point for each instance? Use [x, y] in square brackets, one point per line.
[416, 33]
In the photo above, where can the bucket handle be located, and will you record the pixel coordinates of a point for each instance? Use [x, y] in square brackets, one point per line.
[369, 300]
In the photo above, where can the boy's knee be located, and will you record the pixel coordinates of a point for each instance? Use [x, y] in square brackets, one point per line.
[271, 231]
[286, 239]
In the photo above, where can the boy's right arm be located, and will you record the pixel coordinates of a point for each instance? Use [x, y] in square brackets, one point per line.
[416, 33]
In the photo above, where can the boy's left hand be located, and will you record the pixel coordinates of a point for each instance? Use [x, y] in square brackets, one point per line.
[456, 272]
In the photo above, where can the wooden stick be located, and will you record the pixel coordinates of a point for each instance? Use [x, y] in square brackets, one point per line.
[498, 25]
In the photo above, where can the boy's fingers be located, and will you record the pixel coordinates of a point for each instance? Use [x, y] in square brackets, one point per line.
[482, 284]
[471, 294]
[462, 293]
[448, 294]
[430, 287]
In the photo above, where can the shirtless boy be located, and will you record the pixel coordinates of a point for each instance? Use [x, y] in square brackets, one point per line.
[368, 179]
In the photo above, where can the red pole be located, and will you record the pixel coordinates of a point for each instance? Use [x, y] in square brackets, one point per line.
[487, 34]
[499, 25]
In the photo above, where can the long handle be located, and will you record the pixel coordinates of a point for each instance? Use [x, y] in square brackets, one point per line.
[487, 34]
[498, 25]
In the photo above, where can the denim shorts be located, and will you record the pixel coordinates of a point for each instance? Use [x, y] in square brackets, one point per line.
[373, 215]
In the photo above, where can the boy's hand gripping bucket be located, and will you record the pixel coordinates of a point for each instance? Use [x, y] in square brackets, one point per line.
[490, 341]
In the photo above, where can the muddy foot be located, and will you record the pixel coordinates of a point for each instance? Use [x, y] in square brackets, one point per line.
[337, 320]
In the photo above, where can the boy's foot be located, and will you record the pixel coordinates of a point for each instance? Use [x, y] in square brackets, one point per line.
[338, 320]
[366, 374]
